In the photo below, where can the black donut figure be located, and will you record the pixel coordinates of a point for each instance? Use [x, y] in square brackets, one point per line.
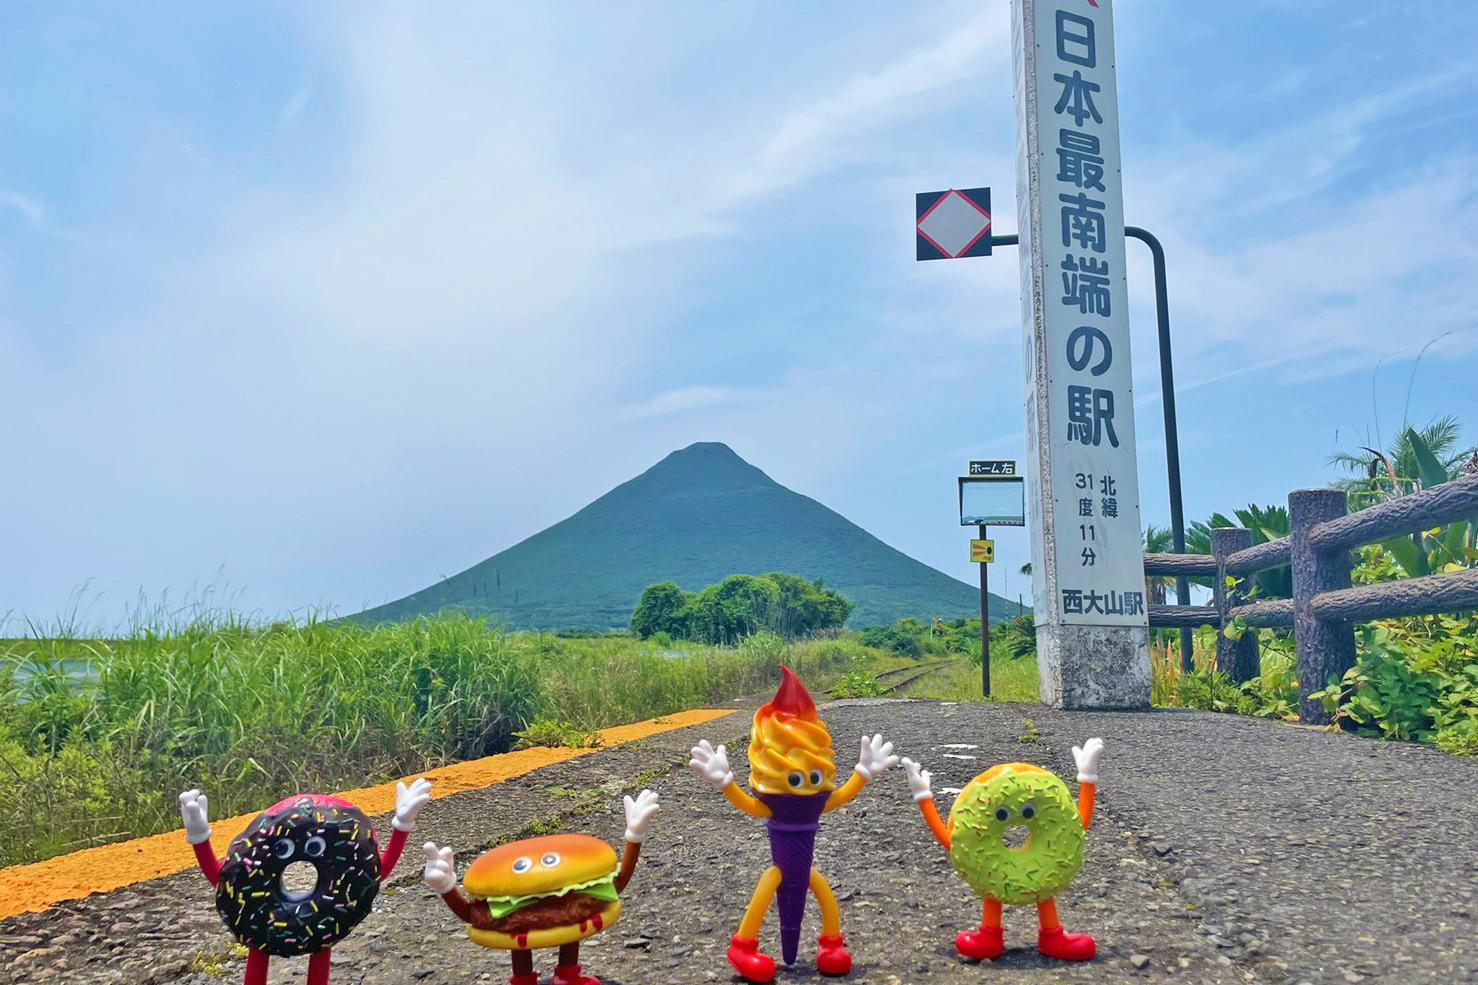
[329, 834]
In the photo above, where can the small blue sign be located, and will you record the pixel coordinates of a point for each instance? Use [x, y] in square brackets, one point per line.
[952, 224]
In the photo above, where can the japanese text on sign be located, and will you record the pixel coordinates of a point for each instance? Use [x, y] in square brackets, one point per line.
[1070, 194]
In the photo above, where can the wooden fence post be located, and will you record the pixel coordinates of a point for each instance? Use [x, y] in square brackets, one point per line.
[1238, 659]
[1325, 648]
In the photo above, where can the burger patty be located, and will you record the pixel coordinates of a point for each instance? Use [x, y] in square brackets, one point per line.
[551, 911]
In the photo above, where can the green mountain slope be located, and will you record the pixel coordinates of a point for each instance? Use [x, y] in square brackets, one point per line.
[699, 514]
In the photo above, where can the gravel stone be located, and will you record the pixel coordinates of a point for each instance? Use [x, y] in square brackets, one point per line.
[1366, 864]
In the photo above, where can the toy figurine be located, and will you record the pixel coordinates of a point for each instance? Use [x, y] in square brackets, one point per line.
[792, 771]
[331, 835]
[543, 892]
[977, 838]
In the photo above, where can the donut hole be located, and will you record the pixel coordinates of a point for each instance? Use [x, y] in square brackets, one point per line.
[298, 881]
[1015, 835]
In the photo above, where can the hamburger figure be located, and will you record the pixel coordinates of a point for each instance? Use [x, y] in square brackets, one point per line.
[553, 891]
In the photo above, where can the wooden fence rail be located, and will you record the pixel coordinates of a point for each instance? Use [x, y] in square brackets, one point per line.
[1324, 607]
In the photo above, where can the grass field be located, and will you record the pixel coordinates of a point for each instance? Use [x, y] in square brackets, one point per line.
[1011, 679]
[98, 736]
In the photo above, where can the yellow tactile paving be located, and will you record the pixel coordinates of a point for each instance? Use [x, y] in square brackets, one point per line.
[29, 888]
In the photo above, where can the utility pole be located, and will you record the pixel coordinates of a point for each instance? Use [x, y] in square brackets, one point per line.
[984, 623]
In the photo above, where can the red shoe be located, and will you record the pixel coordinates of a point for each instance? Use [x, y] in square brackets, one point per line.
[532, 978]
[831, 955]
[569, 974]
[1056, 943]
[746, 958]
[980, 944]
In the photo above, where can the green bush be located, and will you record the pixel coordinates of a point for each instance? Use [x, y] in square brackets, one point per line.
[858, 684]
[1414, 679]
[740, 606]
[661, 610]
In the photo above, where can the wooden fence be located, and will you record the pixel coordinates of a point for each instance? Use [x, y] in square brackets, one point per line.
[1324, 607]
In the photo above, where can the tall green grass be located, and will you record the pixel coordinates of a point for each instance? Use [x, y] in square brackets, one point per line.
[1011, 679]
[97, 736]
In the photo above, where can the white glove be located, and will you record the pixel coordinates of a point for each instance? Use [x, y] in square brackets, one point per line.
[408, 803]
[712, 764]
[918, 780]
[439, 874]
[1086, 757]
[195, 812]
[876, 757]
[639, 814]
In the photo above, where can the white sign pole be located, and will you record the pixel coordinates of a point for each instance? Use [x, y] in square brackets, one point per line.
[1083, 486]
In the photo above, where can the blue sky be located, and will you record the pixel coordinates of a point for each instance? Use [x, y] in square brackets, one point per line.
[322, 302]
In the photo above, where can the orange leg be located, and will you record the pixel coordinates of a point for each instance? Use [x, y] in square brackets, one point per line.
[986, 941]
[1054, 942]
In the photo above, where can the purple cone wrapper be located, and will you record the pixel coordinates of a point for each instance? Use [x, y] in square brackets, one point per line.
[793, 823]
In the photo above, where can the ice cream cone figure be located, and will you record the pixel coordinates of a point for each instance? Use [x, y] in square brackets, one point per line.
[981, 838]
[792, 772]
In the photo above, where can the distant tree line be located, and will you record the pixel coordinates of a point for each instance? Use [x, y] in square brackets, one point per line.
[739, 605]
[910, 637]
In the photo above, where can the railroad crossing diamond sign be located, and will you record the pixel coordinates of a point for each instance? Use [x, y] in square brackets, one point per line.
[952, 224]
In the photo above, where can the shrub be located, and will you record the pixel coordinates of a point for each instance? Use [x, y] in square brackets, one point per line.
[858, 684]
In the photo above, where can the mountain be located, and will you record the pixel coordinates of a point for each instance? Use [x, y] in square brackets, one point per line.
[696, 516]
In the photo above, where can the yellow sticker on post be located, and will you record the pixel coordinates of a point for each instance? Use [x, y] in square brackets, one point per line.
[982, 551]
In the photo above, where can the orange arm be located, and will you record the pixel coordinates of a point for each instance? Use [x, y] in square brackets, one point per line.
[1085, 803]
[744, 801]
[931, 818]
[844, 793]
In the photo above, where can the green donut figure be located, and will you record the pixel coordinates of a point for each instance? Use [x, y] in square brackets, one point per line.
[1006, 796]
[1006, 865]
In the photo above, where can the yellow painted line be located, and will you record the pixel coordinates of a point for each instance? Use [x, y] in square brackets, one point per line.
[35, 887]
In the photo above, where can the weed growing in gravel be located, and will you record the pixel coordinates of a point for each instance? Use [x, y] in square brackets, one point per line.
[858, 684]
[556, 733]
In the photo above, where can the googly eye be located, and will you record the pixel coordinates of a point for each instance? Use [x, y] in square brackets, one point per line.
[795, 779]
[314, 847]
[815, 778]
[1027, 810]
[283, 848]
[1002, 814]
[523, 864]
[550, 860]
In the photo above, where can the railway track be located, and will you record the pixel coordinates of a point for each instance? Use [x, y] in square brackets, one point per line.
[895, 680]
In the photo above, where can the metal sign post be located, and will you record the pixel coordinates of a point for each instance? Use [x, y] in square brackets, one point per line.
[991, 493]
[1087, 568]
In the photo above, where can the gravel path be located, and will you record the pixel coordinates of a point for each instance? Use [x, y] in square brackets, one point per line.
[1223, 850]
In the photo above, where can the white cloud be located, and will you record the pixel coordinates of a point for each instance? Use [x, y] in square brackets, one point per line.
[384, 371]
[295, 106]
[28, 207]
